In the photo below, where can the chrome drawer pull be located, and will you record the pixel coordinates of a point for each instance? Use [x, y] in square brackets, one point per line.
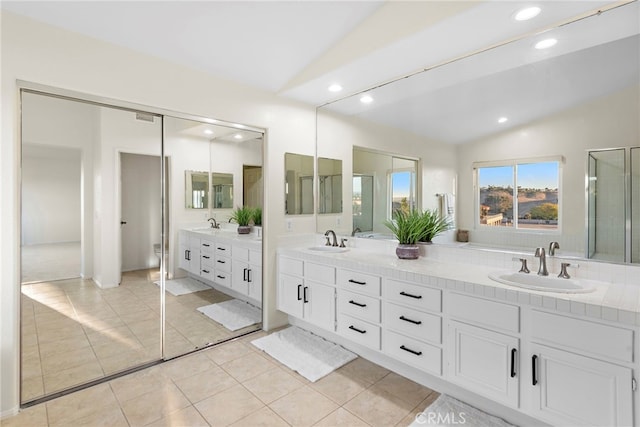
[221, 277]
[356, 282]
[404, 294]
[353, 328]
[415, 322]
[221, 249]
[206, 245]
[357, 303]
[205, 257]
[206, 271]
[417, 353]
[221, 262]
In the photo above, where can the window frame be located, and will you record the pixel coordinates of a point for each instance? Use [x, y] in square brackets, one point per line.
[513, 163]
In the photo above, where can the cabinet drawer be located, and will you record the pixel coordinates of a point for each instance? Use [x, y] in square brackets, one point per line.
[207, 272]
[416, 296]
[223, 249]
[222, 278]
[320, 273]
[597, 339]
[207, 246]
[414, 323]
[293, 267]
[207, 259]
[223, 263]
[480, 311]
[421, 355]
[360, 306]
[359, 331]
[359, 282]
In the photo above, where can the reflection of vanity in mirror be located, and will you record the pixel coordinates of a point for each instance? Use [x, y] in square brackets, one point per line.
[511, 106]
[196, 193]
[298, 187]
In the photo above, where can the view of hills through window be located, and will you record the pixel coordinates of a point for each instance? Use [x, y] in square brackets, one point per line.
[537, 195]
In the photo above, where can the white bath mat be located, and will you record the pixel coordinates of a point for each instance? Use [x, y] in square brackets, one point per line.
[185, 285]
[233, 314]
[447, 411]
[311, 356]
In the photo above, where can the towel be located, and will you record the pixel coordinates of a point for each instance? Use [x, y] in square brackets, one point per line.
[448, 208]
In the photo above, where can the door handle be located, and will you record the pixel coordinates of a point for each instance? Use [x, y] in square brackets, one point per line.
[534, 373]
[123, 222]
[304, 293]
[513, 362]
[415, 322]
[299, 296]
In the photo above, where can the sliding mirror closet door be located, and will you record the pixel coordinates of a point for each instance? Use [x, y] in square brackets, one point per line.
[91, 227]
[214, 286]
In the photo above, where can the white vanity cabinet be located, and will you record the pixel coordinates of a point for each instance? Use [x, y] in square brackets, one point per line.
[306, 290]
[359, 311]
[483, 354]
[578, 372]
[247, 271]
[189, 252]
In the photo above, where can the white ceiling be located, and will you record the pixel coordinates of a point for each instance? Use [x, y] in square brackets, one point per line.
[298, 48]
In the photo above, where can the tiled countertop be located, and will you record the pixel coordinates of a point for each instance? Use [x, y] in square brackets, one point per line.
[610, 301]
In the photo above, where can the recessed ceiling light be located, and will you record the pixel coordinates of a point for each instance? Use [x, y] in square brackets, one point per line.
[366, 99]
[335, 88]
[527, 13]
[502, 119]
[237, 136]
[208, 132]
[546, 43]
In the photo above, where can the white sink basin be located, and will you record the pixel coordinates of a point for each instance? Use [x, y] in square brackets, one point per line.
[543, 283]
[330, 249]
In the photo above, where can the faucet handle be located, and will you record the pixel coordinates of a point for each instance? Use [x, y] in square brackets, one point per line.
[563, 271]
[342, 245]
[523, 265]
[328, 241]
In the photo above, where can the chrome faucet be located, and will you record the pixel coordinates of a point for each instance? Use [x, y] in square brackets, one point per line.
[333, 234]
[214, 223]
[356, 230]
[552, 248]
[542, 269]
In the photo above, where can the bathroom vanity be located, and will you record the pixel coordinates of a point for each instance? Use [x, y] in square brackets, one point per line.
[225, 260]
[560, 358]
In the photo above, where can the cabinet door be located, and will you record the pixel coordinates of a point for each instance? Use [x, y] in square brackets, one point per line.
[319, 304]
[485, 362]
[577, 390]
[254, 279]
[183, 261]
[239, 279]
[290, 295]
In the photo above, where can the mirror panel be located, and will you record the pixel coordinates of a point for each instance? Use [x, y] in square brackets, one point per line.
[329, 186]
[298, 187]
[222, 190]
[196, 193]
[559, 102]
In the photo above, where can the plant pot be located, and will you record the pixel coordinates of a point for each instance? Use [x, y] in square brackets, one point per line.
[408, 251]
[244, 229]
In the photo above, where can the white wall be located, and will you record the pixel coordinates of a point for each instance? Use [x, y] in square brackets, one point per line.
[51, 202]
[606, 122]
[43, 54]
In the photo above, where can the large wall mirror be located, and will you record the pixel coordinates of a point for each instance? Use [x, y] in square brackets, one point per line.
[512, 104]
[298, 186]
[329, 186]
[102, 215]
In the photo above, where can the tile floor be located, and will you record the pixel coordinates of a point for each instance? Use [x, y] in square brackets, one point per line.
[74, 332]
[237, 384]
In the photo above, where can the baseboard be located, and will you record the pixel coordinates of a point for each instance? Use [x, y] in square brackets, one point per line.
[9, 413]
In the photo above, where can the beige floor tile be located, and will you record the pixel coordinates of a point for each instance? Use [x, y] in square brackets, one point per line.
[48, 349]
[127, 359]
[363, 370]
[378, 408]
[35, 416]
[70, 359]
[140, 316]
[118, 336]
[339, 387]
[154, 405]
[110, 416]
[247, 366]
[73, 376]
[341, 418]
[138, 383]
[81, 404]
[31, 367]
[264, 417]
[420, 407]
[187, 366]
[206, 384]
[228, 407]
[405, 389]
[303, 407]
[187, 417]
[31, 388]
[272, 385]
[29, 339]
[53, 335]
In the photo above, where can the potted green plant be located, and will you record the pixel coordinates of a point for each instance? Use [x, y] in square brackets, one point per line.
[407, 228]
[242, 216]
[257, 216]
[432, 225]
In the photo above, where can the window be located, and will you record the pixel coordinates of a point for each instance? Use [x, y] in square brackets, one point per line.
[533, 185]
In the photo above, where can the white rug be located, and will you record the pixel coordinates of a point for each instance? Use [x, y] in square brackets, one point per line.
[447, 411]
[186, 285]
[233, 314]
[311, 356]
